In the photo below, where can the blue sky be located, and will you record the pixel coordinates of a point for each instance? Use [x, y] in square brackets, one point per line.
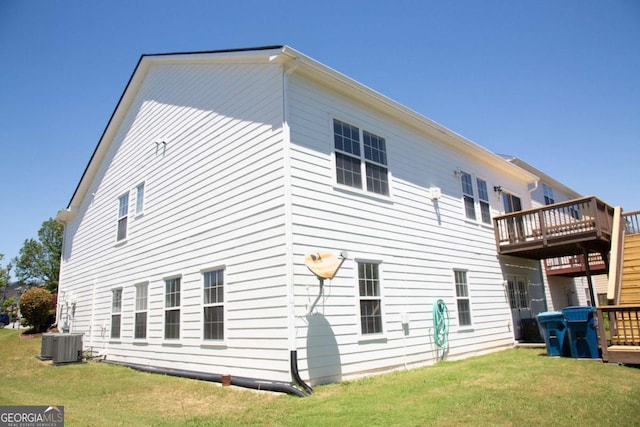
[553, 82]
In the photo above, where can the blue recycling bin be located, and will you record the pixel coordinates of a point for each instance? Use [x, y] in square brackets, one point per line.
[583, 339]
[554, 328]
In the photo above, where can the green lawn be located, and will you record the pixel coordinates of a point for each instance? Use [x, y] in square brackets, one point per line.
[519, 387]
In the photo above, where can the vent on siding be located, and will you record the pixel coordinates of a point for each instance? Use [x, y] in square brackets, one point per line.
[67, 348]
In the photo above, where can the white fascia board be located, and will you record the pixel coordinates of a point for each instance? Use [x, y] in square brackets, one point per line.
[364, 94]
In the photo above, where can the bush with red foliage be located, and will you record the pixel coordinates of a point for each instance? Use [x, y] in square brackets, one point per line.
[35, 306]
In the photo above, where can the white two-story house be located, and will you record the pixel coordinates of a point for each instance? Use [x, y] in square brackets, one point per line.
[185, 239]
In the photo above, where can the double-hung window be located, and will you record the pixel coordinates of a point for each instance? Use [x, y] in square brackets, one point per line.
[140, 328]
[548, 195]
[462, 298]
[483, 199]
[370, 298]
[116, 312]
[123, 214]
[355, 159]
[468, 195]
[172, 308]
[140, 199]
[213, 305]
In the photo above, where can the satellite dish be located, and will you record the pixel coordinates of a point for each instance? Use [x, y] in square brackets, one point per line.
[325, 265]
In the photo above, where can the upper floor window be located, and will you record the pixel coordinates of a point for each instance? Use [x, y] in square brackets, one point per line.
[548, 195]
[213, 302]
[353, 162]
[116, 310]
[483, 199]
[370, 298]
[468, 195]
[140, 198]
[123, 214]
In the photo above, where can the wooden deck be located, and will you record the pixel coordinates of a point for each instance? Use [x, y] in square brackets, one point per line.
[558, 230]
[574, 265]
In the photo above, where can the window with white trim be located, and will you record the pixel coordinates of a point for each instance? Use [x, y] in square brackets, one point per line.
[468, 195]
[547, 191]
[213, 305]
[483, 200]
[140, 198]
[462, 298]
[172, 308]
[369, 298]
[142, 297]
[116, 312]
[123, 214]
[352, 162]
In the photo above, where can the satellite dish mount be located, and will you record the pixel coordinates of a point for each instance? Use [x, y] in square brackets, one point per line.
[324, 265]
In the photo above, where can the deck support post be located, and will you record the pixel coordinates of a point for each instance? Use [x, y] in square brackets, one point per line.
[587, 270]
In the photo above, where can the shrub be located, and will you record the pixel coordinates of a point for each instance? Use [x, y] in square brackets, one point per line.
[34, 306]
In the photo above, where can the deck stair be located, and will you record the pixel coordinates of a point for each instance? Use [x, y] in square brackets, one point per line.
[630, 284]
[619, 322]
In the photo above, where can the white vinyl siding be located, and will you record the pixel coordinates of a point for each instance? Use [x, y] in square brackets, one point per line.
[420, 240]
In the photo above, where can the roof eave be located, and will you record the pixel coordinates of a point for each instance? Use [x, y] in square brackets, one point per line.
[420, 122]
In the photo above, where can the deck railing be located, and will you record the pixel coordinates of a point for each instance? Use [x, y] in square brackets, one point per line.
[631, 222]
[619, 333]
[554, 222]
[621, 324]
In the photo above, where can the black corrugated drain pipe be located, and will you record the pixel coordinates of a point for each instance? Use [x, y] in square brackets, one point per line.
[295, 375]
[217, 378]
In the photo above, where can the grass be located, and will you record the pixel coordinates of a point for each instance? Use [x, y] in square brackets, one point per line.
[510, 388]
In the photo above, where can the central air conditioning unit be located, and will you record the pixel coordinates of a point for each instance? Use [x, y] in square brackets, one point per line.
[46, 348]
[67, 348]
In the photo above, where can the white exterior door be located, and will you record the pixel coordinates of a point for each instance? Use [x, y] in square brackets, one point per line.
[518, 288]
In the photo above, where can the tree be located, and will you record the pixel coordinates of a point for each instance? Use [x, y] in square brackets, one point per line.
[35, 306]
[39, 260]
[4, 279]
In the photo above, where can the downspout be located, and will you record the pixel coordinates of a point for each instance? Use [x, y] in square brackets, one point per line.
[293, 349]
